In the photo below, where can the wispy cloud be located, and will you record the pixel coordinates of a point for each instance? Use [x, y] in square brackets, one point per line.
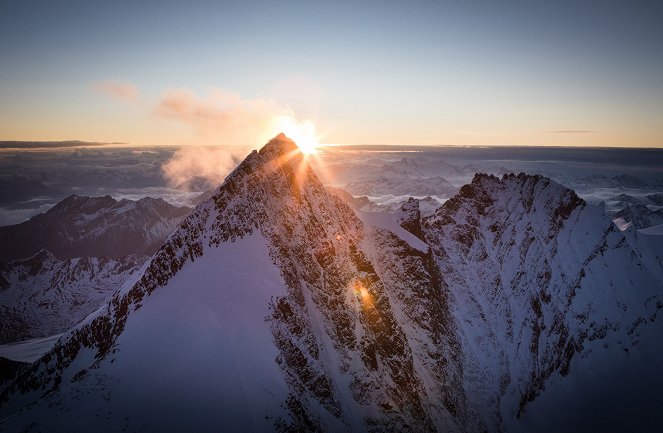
[217, 118]
[222, 117]
[121, 91]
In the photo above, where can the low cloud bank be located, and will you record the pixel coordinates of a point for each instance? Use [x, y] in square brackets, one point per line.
[224, 128]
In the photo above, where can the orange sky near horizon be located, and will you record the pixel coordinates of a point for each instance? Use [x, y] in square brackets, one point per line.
[423, 73]
[148, 132]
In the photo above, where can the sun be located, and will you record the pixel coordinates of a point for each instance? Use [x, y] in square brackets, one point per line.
[302, 133]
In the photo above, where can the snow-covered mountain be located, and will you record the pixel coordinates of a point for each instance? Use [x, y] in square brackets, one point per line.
[427, 205]
[538, 277]
[93, 226]
[655, 199]
[65, 263]
[8, 370]
[276, 307]
[397, 184]
[384, 176]
[356, 203]
[42, 295]
[640, 216]
[620, 181]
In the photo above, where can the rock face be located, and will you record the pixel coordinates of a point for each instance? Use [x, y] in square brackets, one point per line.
[409, 217]
[274, 307]
[94, 227]
[43, 295]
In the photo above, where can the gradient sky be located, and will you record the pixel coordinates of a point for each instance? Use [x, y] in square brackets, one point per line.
[446, 72]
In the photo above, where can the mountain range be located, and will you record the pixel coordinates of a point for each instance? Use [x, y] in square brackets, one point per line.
[274, 306]
[43, 295]
[65, 263]
[93, 226]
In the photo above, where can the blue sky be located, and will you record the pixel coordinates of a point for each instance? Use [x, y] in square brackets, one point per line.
[560, 73]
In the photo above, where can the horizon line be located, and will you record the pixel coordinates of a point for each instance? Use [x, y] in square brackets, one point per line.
[59, 144]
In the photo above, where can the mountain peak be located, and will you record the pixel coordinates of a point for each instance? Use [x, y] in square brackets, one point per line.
[280, 154]
[494, 197]
[279, 145]
[38, 259]
[82, 203]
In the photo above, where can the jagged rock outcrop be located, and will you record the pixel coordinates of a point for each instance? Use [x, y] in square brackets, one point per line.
[409, 217]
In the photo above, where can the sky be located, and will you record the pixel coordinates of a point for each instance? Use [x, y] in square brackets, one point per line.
[581, 73]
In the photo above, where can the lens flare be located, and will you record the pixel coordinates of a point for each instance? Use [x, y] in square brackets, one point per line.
[302, 133]
[362, 293]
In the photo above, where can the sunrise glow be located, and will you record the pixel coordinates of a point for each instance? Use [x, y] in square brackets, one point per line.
[302, 133]
[399, 216]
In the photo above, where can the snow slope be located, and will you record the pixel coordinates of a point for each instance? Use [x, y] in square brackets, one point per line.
[28, 350]
[198, 355]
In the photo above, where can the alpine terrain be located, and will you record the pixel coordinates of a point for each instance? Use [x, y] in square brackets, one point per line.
[42, 295]
[62, 265]
[93, 226]
[276, 307]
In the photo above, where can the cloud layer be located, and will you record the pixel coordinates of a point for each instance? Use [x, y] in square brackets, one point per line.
[227, 126]
[196, 168]
[218, 118]
[222, 117]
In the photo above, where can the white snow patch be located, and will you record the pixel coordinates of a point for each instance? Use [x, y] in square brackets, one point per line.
[621, 223]
[28, 350]
[389, 222]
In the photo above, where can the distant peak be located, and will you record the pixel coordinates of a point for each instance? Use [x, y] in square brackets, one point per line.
[82, 203]
[41, 256]
[149, 199]
[279, 145]
[480, 177]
